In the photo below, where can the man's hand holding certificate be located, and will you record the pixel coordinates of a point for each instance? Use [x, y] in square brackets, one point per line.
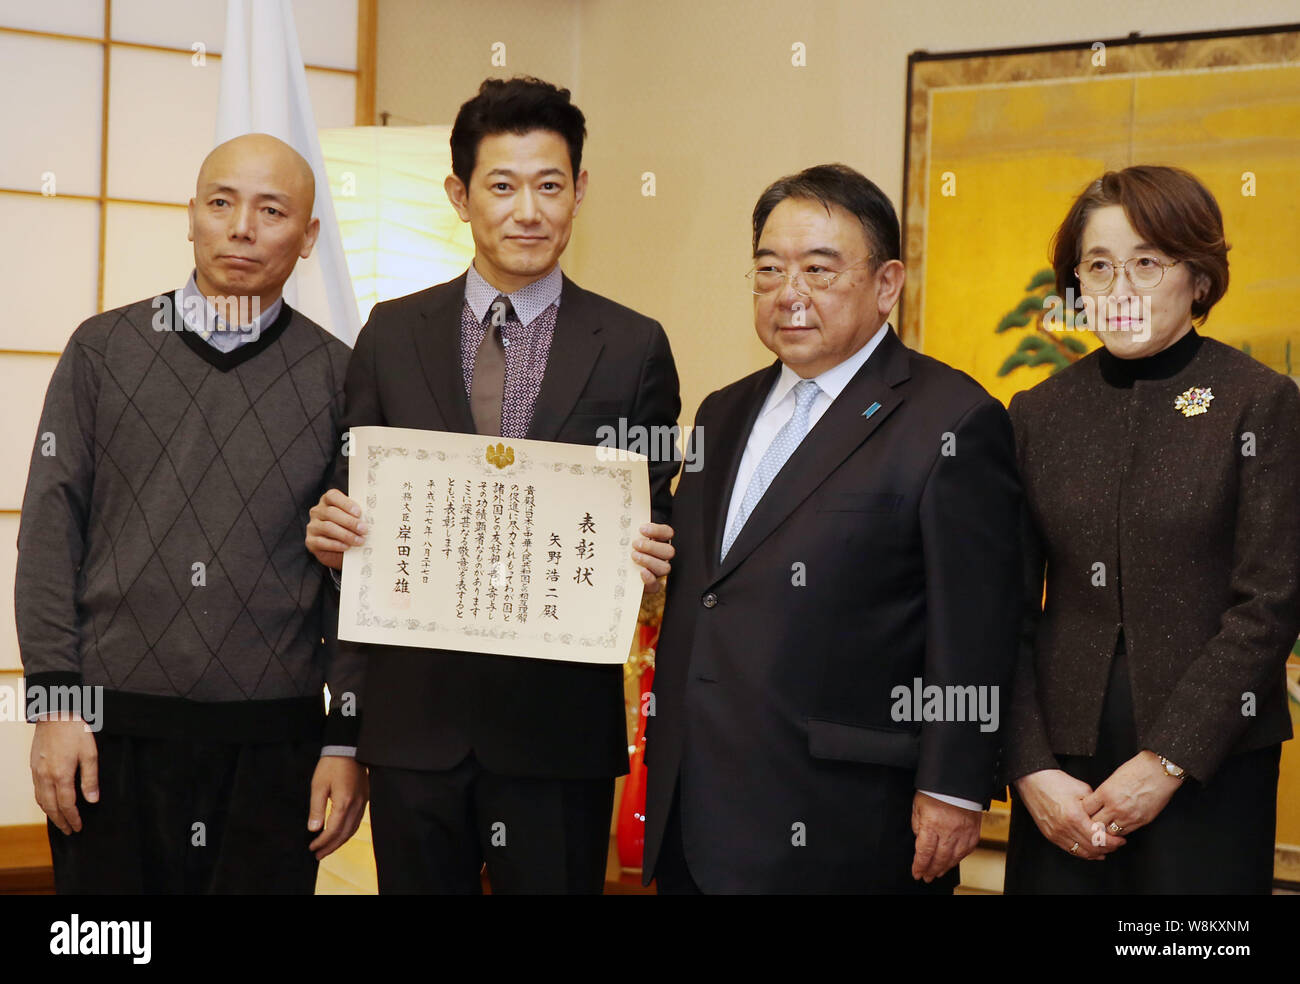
[515, 547]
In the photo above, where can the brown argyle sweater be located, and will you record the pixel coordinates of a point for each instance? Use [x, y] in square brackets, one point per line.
[160, 552]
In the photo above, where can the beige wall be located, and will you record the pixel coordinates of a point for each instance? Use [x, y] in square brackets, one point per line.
[431, 57]
[703, 93]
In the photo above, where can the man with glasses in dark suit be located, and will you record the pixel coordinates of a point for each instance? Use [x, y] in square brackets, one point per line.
[842, 614]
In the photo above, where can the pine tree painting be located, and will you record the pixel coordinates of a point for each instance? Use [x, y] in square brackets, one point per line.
[1042, 346]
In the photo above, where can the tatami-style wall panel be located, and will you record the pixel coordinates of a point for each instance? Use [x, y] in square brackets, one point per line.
[26, 377]
[8, 558]
[50, 249]
[162, 111]
[82, 17]
[47, 84]
[18, 803]
[146, 252]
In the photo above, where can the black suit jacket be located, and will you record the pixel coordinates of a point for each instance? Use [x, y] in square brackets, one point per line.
[1181, 531]
[774, 701]
[427, 708]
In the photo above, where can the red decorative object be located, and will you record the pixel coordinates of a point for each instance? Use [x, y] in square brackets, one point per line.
[631, 809]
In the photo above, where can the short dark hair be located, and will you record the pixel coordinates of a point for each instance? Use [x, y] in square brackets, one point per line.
[838, 184]
[519, 105]
[1169, 208]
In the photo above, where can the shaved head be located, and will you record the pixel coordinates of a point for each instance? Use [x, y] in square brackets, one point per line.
[251, 218]
[275, 157]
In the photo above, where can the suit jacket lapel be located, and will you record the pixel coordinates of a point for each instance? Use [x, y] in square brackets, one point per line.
[575, 347]
[839, 432]
[726, 449]
[437, 344]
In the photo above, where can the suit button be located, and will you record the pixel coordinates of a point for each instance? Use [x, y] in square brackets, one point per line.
[710, 599]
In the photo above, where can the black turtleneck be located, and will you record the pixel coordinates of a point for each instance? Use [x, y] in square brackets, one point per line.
[1162, 365]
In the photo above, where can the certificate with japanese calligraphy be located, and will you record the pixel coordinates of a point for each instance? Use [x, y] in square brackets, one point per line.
[521, 548]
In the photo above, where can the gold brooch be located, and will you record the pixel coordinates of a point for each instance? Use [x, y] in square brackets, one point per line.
[1195, 401]
[501, 455]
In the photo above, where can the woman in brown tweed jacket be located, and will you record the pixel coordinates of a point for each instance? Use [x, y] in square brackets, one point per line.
[1162, 478]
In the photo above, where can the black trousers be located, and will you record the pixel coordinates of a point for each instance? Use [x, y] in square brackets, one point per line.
[1212, 839]
[433, 831]
[192, 818]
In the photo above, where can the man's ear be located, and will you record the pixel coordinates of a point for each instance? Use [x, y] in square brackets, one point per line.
[458, 195]
[889, 285]
[190, 213]
[309, 237]
[579, 190]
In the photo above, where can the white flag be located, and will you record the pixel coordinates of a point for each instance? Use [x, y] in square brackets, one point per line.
[264, 90]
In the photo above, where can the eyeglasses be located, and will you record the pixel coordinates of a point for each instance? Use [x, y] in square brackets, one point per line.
[1143, 271]
[768, 278]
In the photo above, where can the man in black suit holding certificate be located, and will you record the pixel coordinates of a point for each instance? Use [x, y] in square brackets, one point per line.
[478, 758]
[841, 618]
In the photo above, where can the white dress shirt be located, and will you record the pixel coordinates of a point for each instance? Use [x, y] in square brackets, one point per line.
[777, 409]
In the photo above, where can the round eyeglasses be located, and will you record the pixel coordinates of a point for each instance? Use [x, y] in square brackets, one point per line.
[1145, 272]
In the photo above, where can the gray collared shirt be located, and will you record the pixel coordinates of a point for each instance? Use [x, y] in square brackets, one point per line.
[528, 301]
[201, 318]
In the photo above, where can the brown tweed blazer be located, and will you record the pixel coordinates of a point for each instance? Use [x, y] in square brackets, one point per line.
[1183, 531]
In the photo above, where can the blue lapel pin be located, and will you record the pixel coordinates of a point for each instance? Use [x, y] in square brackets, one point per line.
[871, 409]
